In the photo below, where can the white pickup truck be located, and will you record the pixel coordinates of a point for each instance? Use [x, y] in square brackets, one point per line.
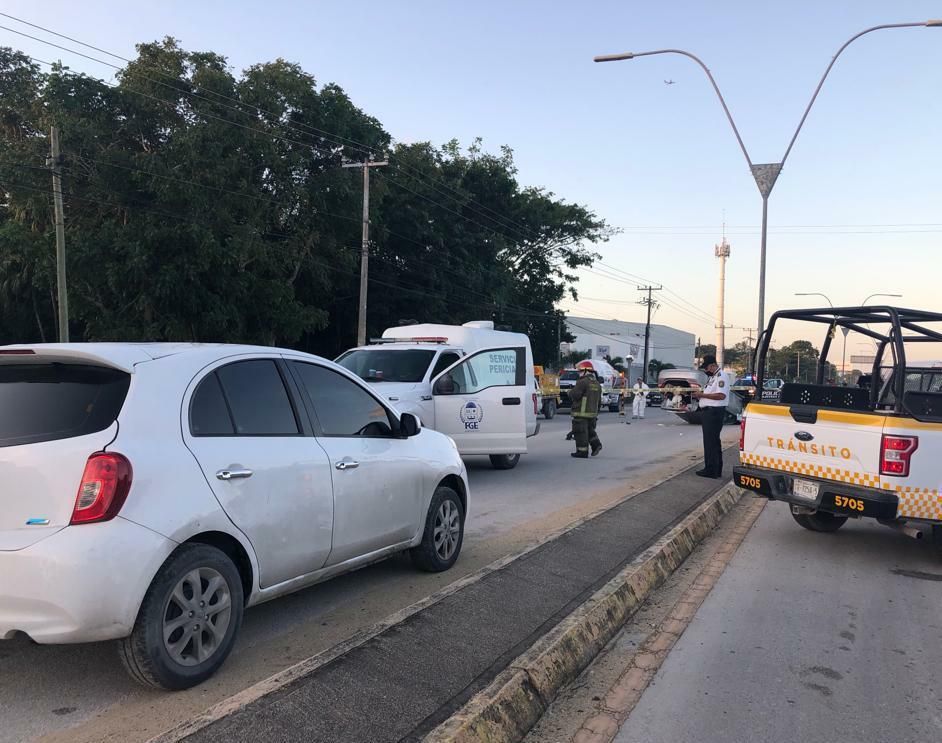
[834, 452]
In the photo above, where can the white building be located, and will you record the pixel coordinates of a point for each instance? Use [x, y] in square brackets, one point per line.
[626, 339]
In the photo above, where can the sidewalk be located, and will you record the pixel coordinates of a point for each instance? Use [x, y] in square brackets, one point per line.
[406, 680]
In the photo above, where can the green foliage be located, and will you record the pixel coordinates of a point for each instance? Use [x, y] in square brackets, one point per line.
[574, 357]
[796, 362]
[656, 366]
[617, 362]
[207, 205]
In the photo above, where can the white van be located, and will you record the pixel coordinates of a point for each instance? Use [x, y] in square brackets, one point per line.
[469, 381]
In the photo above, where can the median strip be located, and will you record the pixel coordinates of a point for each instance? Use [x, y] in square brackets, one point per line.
[507, 709]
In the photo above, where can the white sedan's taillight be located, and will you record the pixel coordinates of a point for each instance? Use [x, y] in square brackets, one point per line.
[104, 488]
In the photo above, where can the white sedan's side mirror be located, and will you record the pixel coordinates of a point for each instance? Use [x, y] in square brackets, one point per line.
[409, 425]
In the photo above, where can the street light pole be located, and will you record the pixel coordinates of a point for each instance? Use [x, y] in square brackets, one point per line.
[765, 174]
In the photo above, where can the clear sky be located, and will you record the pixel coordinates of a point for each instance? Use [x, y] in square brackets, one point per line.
[857, 210]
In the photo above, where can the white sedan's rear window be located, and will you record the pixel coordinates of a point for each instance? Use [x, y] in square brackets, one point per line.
[45, 402]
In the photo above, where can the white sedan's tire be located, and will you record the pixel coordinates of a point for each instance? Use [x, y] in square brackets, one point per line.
[188, 621]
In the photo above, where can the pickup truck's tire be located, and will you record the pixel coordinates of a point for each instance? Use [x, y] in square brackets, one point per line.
[549, 409]
[820, 521]
[504, 461]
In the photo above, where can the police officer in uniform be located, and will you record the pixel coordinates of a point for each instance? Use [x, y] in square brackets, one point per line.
[713, 400]
[586, 398]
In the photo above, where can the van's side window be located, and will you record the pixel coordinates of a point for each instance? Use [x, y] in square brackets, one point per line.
[444, 361]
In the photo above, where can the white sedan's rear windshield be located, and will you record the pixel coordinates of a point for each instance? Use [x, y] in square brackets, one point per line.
[45, 402]
[388, 364]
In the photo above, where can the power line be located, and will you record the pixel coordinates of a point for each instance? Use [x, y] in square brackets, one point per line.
[672, 305]
[243, 126]
[502, 220]
[667, 289]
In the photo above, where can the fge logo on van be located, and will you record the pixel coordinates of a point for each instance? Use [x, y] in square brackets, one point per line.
[471, 414]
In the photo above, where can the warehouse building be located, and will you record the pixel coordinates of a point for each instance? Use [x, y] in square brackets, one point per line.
[614, 338]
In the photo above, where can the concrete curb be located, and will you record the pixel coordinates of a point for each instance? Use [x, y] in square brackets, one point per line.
[506, 709]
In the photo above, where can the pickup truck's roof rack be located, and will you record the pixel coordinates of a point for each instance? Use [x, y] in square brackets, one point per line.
[890, 327]
[855, 318]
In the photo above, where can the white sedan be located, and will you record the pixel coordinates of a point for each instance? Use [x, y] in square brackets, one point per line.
[151, 492]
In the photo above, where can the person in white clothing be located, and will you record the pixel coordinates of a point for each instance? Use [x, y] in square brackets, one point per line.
[640, 398]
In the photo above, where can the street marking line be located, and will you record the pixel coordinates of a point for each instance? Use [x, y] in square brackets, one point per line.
[621, 699]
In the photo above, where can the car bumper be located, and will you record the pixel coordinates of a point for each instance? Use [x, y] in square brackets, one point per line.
[832, 497]
[82, 584]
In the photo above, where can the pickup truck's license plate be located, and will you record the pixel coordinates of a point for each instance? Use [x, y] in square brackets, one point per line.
[805, 489]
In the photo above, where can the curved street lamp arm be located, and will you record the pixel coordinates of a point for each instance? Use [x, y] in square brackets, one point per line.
[828, 70]
[815, 294]
[729, 116]
[878, 295]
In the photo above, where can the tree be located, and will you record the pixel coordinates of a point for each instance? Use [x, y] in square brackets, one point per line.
[618, 363]
[207, 205]
[574, 357]
[655, 367]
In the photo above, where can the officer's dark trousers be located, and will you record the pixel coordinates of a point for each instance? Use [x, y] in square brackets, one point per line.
[584, 429]
[712, 449]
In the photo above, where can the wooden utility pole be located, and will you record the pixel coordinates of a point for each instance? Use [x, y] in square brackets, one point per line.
[55, 165]
[647, 326]
[365, 247]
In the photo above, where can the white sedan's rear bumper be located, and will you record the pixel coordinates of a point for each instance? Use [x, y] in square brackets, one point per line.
[82, 584]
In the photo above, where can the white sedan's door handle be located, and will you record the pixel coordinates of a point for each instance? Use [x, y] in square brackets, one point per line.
[346, 464]
[233, 474]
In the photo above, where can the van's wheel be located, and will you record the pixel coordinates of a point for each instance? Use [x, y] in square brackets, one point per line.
[443, 535]
[819, 521]
[504, 461]
[549, 409]
[188, 620]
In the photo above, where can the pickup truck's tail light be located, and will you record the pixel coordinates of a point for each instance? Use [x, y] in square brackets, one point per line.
[895, 454]
[104, 488]
[742, 434]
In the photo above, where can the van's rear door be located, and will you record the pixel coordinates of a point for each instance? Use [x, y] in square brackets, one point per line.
[53, 415]
[481, 401]
[831, 444]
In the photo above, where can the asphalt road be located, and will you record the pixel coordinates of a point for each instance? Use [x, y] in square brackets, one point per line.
[819, 638]
[81, 693]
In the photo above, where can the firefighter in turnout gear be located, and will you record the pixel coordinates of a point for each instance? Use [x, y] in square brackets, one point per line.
[586, 398]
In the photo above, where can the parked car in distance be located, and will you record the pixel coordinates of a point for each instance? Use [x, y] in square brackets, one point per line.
[171, 486]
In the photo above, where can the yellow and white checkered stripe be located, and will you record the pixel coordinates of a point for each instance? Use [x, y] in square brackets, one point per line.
[918, 503]
[914, 502]
[812, 470]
